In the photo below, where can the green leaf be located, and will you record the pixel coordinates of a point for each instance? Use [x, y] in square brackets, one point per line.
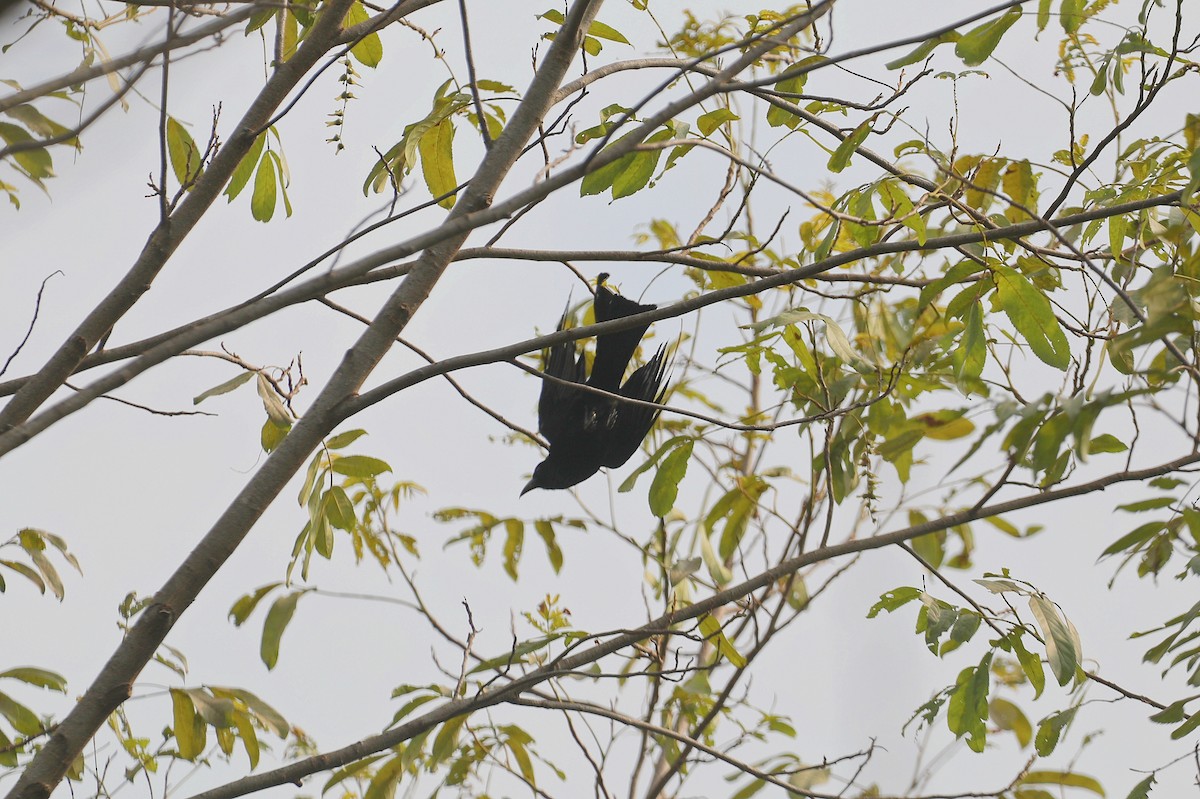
[249, 738]
[637, 171]
[1043, 15]
[1135, 538]
[245, 168]
[711, 629]
[1142, 789]
[603, 31]
[1070, 15]
[272, 434]
[262, 201]
[224, 388]
[39, 677]
[841, 156]
[1172, 713]
[923, 50]
[553, 551]
[631, 480]
[1060, 644]
[1050, 729]
[977, 45]
[339, 510]
[1066, 779]
[278, 618]
[342, 440]
[665, 487]
[971, 353]
[967, 712]
[709, 122]
[1106, 443]
[369, 49]
[719, 572]
[183, 152]
[360, 466]
[514, 540]
[383, 782]
[1007, 716]
[515, 655]
[447, 738]
[1030, 313]
[776, 116]
[894, 599]
[188, 727]
[1186, 728]
[1031, 664]
[437, 161]
[23, 720]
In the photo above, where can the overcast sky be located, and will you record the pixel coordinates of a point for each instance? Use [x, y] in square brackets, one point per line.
[132, 492]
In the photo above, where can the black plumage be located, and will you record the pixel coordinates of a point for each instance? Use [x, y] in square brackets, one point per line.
[586, 430]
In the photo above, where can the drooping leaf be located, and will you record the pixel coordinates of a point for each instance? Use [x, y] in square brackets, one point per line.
[711, 629]
[1030, 313]
[923, 50]
[665, 486]
[184, 154]
[977, 44]
[223, 388]
[1060, 646]
[841, 156]
[368, 51]
[437, 161]
[262, 201]
[35, 676]
[278, 618]
[360, 466]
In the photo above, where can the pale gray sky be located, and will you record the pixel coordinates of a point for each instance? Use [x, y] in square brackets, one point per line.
[132, 493]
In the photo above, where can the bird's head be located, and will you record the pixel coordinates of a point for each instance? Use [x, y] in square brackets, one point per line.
[560, 472]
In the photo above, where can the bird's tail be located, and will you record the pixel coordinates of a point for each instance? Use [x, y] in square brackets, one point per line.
[614, 350]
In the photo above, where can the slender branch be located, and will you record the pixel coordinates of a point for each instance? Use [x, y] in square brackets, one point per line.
[187, 337]
[171, 230]
[112, 685]
[37, 307]
[142, 55]
[597, 649]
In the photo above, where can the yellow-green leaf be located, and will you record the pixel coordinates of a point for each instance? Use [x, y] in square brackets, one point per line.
[1031, 315]
[188, 727]
[223, 388]
[1065, 778]
[923, 50]
[709, 122]
[1007, 716]
[360, 466]
[640, 167]
[1070, 15]
[1060, 646]
[369, 49]
[665, 487]
[278, 618]
[245, 168]
[262, 201]
[183, 153]
[977, 45]
[841, 156]
[711, 629]
[437, 161]
[603, 31]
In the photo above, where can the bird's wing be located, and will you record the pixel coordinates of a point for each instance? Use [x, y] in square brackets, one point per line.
[633, 422]
[560, 362]
[613, 350]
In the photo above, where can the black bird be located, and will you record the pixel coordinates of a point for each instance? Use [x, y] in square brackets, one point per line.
[586, 430]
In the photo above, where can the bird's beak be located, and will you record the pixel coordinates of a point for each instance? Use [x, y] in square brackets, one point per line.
[532, 484]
